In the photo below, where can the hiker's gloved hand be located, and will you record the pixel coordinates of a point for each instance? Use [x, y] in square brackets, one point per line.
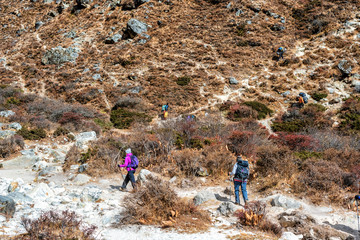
[118, 165]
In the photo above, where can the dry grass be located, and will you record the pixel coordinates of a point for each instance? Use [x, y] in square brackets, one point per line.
[156, 203]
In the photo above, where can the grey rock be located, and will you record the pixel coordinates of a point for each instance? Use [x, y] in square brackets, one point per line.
[335, 100]
[6, 134]
[71, 34]
[344, 68]
[7, 206]
[91, 194]
[83, 167]
[142, 41]
[41, 191]
[96, 76]
[173, 179]
[83, 3]
[331, 90]
[113, 39]
[202, 172]
[39, 165]
[143, 175]
[229, 5]
[226, 208]
[135, 27]
[81, 179]
[203, 196]
[285, 94]
[7, 113]
[290, 236]
[15, 125]
[248, 22]
[136, 89]
[238, 12]
[48, 1]
[233, 80]
[60, 55]
[277, 27]
[82, 138]
[285, 202]
[20, 198]
[38, 24]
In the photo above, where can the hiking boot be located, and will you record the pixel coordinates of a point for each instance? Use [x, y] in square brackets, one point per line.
[134, 187]
[237, 203]
[122, 189]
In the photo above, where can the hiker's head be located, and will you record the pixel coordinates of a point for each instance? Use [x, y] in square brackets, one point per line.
[280, 48]
[128, 150]
[239, 158]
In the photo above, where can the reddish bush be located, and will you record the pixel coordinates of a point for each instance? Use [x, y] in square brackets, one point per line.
[238, 112]
[243, 142]
[71, 117]
[296, 142]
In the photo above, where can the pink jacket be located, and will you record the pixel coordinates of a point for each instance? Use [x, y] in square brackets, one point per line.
[127, 162]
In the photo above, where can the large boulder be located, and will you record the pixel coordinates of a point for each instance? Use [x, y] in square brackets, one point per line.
[143, 174]
[285, 202]
[356, 85]
[60, 55]
[203, 196]
[7, 206]
[41, 192]
[20, 198]
[84, 137]
[113, 39]
[6, 134]
[345, 68]
[290, 236]
[91, 194]
[15, 125]
[134, 27]
[227, 208]
[81, 179]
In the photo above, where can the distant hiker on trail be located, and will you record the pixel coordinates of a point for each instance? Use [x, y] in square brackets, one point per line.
[131, 163]
[164, 111]
[281, 52]
[302, 99]
[241, 175]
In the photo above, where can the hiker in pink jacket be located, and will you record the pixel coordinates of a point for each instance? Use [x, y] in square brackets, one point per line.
[130, 165]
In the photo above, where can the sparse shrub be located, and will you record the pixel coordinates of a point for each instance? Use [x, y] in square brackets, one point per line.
[317, 107]
[296, 142]
[57, 225]
[72, 157]
[32, 134]
[188, 161]
[183, 81]
[156, 203]
[13, 101]
[261, 108]
[60, 131]
[241, 30]
[291, 126]
[122, 118]
[127, 102]
[105, 125]
[11, 145]
[254, 215]
[350, 114]
[238, 112]
[196, 142]
[71, 117]
[318, 96]
[304, 155]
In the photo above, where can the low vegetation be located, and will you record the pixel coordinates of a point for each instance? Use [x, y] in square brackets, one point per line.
[57, 225]
[156, 203]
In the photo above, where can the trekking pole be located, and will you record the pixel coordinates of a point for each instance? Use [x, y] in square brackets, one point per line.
[230, 186]
[357, 198]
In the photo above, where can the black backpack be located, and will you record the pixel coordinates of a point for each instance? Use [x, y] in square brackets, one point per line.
[242, 170]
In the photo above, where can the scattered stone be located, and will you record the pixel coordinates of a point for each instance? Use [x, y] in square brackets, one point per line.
[226, 208]
[229, 5]
[143, 174]
[48, 1]
[41, 191]
[83, 3]
[285, 202]
[7, 113]
[238, 12]
[7, 206]
[6, 134]
[38, 24]
[84, 137]
[15, 125]
[285, 94]
[202, 172]
[83, 167]
[20, 198]
[60, 55]
[134, 28]
[203, 196]
[344, 68]
[39, 165]
[290, 236]
[277, 27]
[173, 179]
[81, 179]
[13, 186]
[90, 194]
[96, 77]
[295, 220]
[233, 80]
[113, 39]
[335, 100]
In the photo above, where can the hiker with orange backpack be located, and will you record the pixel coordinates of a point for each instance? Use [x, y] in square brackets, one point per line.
[302, 99]
[131, 163]
[164, 110]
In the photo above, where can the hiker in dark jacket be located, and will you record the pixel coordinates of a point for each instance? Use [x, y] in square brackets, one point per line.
[130, 175]
[281, 52]
[241, 173]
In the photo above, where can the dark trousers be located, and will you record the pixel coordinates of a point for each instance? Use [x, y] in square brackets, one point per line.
[129, 177]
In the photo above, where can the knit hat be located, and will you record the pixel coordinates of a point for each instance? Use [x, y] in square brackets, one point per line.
[239, 158]
[128, 150]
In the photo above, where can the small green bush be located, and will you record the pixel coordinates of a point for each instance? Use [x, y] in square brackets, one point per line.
[123, 118]
[105, 125]
[291, 126]
[196, 143]
[60, 131]
[33, 134]
[318, 96]
[13, 101]
[241, 30]
[303, 155]
[183, 81]
[261, 108]
[179, 142]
